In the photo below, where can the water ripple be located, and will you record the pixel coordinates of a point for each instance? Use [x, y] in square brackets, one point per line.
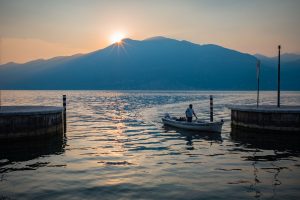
[117, 148]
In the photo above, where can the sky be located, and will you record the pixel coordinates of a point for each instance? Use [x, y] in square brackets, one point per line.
[34, 29]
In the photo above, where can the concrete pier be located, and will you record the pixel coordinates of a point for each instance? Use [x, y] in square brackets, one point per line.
[266, 118]
[19, 122]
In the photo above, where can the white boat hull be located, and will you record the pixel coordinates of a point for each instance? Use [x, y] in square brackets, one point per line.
[196, 126]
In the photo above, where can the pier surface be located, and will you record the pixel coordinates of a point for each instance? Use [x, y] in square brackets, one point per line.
[19, 122]
[266, 117]
[20, 110]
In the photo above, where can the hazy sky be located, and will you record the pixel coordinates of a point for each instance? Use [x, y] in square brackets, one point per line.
[32, 29]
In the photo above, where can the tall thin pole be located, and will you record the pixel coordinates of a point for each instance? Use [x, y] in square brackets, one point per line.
[257, 76]
[0, 64]
[211, 108]
[278, 89]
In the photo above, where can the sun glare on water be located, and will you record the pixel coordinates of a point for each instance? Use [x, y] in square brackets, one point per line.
[117, 37]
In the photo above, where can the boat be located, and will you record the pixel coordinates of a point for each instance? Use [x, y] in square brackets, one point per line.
[197, 125]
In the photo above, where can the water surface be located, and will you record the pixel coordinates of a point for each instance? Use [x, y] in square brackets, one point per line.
[117, 148]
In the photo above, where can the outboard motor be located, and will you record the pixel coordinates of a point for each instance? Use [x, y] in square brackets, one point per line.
[167, 115]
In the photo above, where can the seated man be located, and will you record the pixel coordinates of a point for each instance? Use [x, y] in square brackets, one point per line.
[189, 113]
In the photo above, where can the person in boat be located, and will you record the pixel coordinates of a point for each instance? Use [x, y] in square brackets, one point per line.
[189, 113]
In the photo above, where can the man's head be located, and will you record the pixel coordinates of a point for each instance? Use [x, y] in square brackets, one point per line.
[191, 106]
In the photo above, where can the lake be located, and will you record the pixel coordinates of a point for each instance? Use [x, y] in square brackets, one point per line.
[117, 148]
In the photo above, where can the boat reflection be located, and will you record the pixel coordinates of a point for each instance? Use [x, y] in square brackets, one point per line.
[191, 135]
[15, 151]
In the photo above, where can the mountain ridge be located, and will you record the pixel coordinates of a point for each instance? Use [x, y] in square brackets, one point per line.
[159, 63]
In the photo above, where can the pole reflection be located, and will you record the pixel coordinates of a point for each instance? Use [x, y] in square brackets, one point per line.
[283, 147]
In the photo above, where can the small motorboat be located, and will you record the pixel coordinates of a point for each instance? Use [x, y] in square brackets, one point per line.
[195, 125]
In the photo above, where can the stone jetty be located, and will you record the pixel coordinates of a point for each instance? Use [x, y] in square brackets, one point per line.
[19, 122]
[266, 118]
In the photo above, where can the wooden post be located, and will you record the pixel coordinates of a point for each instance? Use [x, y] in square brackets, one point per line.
[211, 108]
[65, 112]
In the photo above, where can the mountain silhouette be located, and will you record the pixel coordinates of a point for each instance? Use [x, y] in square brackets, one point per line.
[156, 63]
[285, 58]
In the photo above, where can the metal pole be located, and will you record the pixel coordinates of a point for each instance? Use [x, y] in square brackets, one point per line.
[0, 64]
[278, 89]
[258, 72]
[257, 92]
[65, 112]
[211, 108]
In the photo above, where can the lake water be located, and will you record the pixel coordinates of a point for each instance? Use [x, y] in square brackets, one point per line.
[117, 148]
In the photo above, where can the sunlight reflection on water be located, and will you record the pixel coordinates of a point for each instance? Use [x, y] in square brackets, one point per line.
[116, 147]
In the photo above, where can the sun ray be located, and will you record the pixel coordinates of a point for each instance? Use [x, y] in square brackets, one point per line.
[117, 37]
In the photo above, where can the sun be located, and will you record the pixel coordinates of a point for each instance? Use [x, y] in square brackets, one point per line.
[117, 37]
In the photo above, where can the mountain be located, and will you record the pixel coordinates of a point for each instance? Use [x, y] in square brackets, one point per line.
[153, 63]
[289, 67]
[287, 58]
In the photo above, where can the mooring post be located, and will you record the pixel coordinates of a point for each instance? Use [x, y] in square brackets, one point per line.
[278, 89]
[211, 108]
[65, 112]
